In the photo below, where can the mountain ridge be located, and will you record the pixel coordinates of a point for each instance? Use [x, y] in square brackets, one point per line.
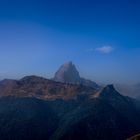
[39, 87]
[52, 110]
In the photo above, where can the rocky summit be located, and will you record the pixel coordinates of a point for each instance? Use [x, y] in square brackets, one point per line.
[67, 73]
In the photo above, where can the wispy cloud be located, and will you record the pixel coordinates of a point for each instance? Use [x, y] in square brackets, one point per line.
[104, 49]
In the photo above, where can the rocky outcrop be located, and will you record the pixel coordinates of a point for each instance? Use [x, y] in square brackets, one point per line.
[67, 73]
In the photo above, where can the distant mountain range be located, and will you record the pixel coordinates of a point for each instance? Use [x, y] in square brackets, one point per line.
[65, 108]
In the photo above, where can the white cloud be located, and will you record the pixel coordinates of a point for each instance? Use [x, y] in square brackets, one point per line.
[105, 49]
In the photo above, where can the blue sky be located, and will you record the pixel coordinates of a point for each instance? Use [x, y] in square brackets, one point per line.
[102, 37]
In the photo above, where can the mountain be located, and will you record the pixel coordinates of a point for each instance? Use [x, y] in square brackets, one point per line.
[26, 119]
[39, 87]
[101, 115]
[123, 104]
[69, 108]
[67, 73]
[106, 116]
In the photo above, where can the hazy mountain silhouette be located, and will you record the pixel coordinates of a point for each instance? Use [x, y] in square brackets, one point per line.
[67, 73]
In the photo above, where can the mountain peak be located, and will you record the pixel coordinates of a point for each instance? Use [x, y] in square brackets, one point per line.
[108, 92]
[69, 63]
[67, 73]
[109, 88]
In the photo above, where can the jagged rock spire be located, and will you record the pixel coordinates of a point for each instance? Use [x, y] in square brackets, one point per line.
[67, 73]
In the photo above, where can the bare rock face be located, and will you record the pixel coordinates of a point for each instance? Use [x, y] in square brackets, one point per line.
[67, 73]
[41, 88]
